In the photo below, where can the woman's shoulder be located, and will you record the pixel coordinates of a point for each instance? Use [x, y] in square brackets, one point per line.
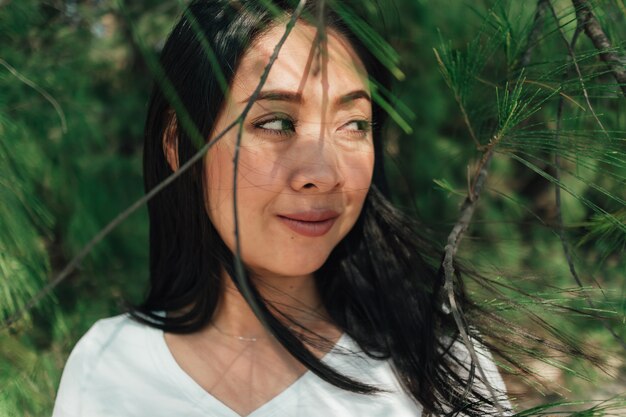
[110, 355]
[122, 324]
[108, 333]
[116, 339]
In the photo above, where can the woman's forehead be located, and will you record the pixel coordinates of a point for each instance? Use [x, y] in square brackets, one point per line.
[297, 65]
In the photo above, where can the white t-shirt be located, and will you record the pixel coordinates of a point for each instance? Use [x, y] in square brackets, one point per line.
[121, 368]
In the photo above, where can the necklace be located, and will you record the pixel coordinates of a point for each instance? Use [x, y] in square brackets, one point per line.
[241, 338]
[252, 339]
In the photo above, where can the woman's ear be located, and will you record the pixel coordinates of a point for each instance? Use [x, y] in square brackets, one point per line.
[170, 140]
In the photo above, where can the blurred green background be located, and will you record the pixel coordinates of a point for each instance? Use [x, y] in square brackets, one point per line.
[74, 83]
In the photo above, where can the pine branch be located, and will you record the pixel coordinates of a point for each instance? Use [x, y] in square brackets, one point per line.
[44, 93]
[450, 250]
[593, 30]
[557, 195]
[467, 212]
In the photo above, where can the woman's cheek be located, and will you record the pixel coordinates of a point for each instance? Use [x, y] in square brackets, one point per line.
[218, 178]
[259, 166]
[358, 169]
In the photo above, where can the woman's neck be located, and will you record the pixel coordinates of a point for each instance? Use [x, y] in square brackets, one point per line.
[295, 297]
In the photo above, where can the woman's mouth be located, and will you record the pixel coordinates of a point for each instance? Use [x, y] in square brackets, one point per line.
[310, 223]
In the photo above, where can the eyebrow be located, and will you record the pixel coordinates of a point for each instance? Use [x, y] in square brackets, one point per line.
[354, 95]
[294, 97]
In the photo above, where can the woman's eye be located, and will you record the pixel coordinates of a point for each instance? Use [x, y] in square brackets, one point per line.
[276, 126]
[358, 127]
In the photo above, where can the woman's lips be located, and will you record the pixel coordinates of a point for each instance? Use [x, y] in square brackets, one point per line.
[310, 223]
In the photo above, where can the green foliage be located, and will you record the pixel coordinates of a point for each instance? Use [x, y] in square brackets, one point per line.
[385, 53]
[69, 161]
[511, 109]
[73, 86]
[24, 222]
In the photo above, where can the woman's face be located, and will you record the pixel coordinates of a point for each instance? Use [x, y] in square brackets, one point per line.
[306, 157]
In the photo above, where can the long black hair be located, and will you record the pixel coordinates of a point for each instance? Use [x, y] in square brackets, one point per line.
[382, 284]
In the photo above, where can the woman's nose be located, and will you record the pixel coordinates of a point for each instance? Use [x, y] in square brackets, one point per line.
[315, 166]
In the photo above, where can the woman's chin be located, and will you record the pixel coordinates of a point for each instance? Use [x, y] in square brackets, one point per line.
[289, 268]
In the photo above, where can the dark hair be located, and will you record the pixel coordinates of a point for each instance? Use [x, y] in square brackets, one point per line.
[381, 284]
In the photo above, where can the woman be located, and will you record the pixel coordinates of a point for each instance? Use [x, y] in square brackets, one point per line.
[339, 310]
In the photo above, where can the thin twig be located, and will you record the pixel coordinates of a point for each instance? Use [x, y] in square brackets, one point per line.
[484, 160]
[562, 94]
[240, 276]
[533, 82]
[572, 54]
[593, 30]
[535, 31]
[468, 123]
[44, 93]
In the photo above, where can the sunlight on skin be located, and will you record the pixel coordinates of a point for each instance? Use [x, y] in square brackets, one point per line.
[326, 163]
